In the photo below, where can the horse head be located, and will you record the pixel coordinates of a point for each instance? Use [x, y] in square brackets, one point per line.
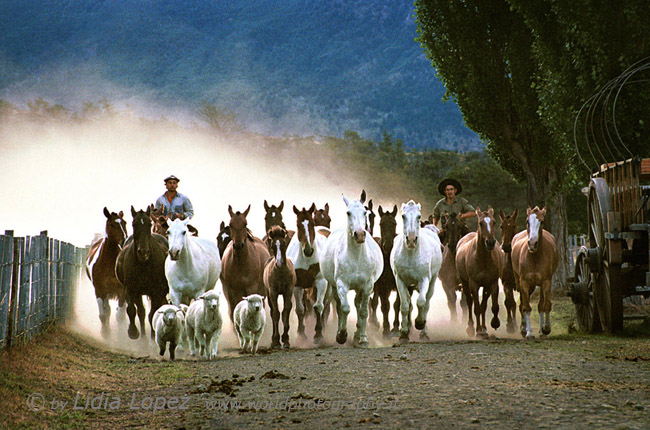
[142, 233]
[115, 227]
[273, 215]
[177, 236]
[277, 241]
[411, 214]
[322, 217]
[486, 226]
[223, 238]
[508, 228]
[370, 215]
[357, 219]
[387, 227]
[451, 230]
[534, 226]
[305, 228]
[238, 228]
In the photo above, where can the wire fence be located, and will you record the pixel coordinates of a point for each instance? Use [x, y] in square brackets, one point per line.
[38, 279]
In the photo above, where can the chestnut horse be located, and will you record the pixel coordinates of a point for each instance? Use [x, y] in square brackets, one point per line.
[508, 231]
[322, 217]
[534, 260]
[479, 260]
[279, 279]
[450, 234]
[100, 267]
[242, 264]
[274, 217]
[385, 285]
[140, 267]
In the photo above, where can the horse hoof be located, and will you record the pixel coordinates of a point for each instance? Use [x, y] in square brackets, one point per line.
[470, 331]
[510, 327]
[530, 337]
[495, 323]
[286, 345]
[419, 325]
[386, 334]
[319, 339]
[403, 338]
[133, 332]
[546, 329]
[424, 335]
[276, 345]
[363, 344]
[481, 335]
[302, 334]
[341, 337]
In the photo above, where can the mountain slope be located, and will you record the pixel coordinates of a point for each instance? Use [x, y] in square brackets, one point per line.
[290, 67]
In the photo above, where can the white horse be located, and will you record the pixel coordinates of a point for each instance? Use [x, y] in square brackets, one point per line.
[352, 260]
[193, 264]
[304, 250]
[415, 259]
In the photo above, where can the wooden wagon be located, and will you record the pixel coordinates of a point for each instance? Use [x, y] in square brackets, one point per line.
[615, 263]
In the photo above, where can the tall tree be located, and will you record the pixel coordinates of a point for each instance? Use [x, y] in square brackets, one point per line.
[482, 52]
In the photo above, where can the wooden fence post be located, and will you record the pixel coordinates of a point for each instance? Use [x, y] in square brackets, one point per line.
[6, 268]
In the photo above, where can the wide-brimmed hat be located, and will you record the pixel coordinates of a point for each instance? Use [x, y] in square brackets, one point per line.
[449, 181]
[172, 177]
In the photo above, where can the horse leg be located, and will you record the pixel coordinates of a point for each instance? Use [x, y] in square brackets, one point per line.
[321, 291]
[362, 314]
[524, 308]
[396, 310]
[385, 308]
[469, 300]
[300, 310]
[275, 317]
[120, 315]
[405, 310]
[450, 292]
[495, 323]
[477, 308]
[175, 297]
[286, 314]
[374, 301]
[544, 308]
[131, 310]
[343, 311]
[511, 307]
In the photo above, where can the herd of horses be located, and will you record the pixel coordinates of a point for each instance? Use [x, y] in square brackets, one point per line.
[316, 266]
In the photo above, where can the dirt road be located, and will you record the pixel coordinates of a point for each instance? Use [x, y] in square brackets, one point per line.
[70, 379]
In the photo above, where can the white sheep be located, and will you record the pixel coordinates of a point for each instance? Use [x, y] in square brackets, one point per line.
[204, 323]
[250, 320]
[168, 323]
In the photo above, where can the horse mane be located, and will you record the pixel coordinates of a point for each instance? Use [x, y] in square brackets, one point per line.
[249, 234]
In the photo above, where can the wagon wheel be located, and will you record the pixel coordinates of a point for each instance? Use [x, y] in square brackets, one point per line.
[583, 296]
[606, 288]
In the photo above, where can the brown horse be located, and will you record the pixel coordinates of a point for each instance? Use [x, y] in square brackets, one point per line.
[322, 217]
[274, 217]
[223, 238]
[161, 222]
[479, 259]
[100, 267]
[243, 261]
[385, 285]
[534, 260]
[279, 279]
[508, 231]
[450, 234]
[140, 267]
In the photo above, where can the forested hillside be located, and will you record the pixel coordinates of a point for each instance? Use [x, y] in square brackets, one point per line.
[284, 68]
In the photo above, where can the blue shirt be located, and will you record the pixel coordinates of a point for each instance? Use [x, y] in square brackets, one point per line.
[180, 205]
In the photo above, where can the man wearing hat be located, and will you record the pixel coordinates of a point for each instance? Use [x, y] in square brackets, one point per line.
[451, 203]
[173, 203]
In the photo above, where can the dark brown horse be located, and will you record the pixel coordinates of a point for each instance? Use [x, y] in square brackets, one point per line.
[534, 260]
[322, 217]
[100, 267]
[274, 217]
[223, 238]
[450, 234]
[508, 231]
[279, 279]
[243, 261]
[385, 285]
[140, 267]
[479, 259]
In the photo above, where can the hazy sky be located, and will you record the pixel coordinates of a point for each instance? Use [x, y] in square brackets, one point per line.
[59, 178]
